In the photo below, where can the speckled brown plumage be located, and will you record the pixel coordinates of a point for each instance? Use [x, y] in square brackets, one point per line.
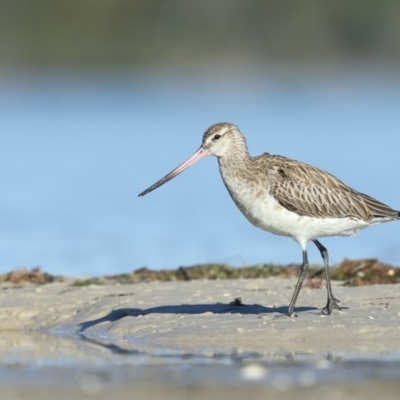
[300, 187]
[307, 190]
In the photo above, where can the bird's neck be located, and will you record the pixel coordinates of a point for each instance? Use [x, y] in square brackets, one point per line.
[233, 161]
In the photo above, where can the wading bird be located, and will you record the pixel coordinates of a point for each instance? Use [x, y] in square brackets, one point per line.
[287, 198]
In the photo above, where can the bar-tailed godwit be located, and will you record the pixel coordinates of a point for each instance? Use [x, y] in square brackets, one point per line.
[287, 198]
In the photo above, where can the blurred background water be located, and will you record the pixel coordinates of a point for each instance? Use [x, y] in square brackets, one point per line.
[99, 99]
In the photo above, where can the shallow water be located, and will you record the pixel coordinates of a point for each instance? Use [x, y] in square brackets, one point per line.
[76, 150]
[46, 361]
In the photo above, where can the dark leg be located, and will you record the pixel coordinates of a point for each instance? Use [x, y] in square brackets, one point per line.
[303, 273]
[332, 301]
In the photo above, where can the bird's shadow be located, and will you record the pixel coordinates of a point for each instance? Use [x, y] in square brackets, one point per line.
[190, 309]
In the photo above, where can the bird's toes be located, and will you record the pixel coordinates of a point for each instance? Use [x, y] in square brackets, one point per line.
[331, 305]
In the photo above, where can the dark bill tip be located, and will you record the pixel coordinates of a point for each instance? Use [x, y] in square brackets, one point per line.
[201, 153]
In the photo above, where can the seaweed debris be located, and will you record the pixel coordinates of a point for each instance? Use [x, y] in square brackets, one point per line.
[34, 276]
[351, 272]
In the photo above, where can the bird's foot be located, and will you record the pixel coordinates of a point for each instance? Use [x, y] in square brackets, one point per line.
[286, 315]
[331, 305]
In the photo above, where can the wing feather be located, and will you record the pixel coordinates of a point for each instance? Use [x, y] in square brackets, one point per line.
[307, 190]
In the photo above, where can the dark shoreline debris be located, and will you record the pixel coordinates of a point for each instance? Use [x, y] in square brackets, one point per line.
[349, 272]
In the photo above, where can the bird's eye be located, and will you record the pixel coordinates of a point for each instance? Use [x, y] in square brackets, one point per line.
[216, 137]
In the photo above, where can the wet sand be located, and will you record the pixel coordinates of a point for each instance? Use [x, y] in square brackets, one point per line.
[191, 339]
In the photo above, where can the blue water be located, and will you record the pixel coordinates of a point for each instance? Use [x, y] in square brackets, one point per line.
[76, 150]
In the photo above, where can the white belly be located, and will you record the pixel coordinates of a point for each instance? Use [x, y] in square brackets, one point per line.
[266, 213]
